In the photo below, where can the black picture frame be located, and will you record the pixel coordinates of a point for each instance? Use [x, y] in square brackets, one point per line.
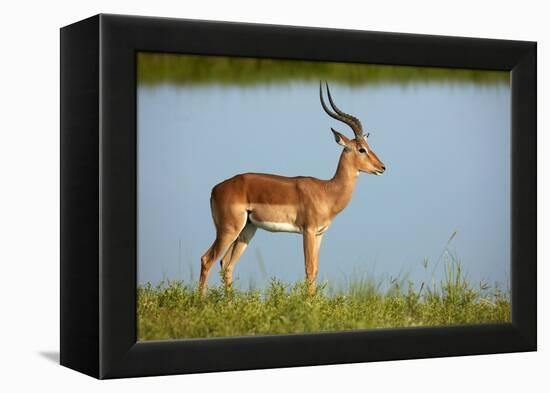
[98, 196]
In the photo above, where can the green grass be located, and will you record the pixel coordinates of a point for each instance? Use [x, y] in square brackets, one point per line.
[174, 310]
[153, 68]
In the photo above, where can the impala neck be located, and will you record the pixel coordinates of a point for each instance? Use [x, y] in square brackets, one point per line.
[342, 184]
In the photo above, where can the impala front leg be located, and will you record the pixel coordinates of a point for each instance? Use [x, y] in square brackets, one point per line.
[312, 244]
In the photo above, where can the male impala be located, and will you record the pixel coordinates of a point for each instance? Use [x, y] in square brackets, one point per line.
[275, 203]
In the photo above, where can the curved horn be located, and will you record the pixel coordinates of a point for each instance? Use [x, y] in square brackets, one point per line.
[331, 114]
[355, 125]
[339, 115]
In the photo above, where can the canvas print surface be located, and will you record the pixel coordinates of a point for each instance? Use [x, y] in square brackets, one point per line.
[284, 196]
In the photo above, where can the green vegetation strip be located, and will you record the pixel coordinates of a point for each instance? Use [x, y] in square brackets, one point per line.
[154, 68]
[175, 310]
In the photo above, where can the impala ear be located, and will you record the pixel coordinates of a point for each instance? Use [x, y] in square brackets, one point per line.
[342, 140]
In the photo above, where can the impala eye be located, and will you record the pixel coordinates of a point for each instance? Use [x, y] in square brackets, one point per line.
[361, 150]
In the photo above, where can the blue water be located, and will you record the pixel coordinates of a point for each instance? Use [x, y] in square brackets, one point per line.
[445, 145]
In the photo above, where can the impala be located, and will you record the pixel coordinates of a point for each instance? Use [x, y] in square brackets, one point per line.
[275, 203]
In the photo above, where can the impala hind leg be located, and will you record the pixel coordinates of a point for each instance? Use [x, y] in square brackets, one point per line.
[218, 248]
[235, 251]
[229, 224]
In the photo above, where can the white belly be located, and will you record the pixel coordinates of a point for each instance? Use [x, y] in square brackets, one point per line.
[276, 226]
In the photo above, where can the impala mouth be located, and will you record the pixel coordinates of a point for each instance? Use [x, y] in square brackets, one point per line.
[378, 173]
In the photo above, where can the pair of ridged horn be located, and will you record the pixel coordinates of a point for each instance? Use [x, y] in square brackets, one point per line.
[350, 120]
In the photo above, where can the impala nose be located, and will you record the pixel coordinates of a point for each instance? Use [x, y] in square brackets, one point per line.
[383, 168]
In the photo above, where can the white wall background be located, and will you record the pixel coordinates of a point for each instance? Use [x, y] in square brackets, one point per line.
[29, 200]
